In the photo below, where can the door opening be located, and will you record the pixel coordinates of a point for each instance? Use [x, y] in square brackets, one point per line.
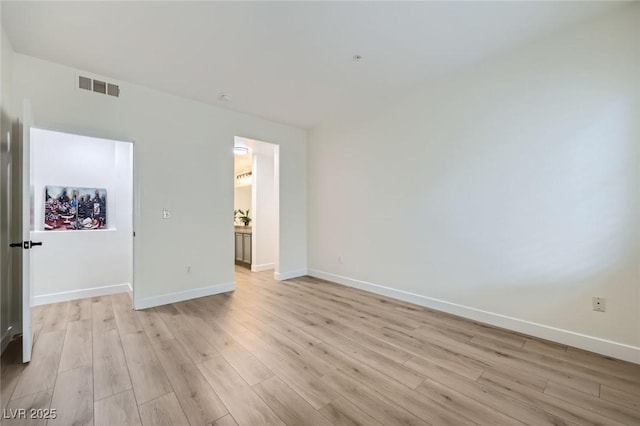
[79, 207]
[256, 204]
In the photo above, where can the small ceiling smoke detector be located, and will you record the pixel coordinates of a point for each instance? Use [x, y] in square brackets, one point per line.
[357, 58]
[225, 97]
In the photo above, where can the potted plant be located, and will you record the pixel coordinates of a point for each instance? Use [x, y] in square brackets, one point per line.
[242, 216]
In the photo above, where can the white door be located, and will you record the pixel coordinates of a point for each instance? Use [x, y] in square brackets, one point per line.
[27, 228]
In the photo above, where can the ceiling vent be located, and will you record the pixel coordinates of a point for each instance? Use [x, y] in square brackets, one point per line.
[98, 86]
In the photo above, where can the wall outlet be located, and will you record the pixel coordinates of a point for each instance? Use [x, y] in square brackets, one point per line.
[340, 260]
[166, 213]
[188, 269]
[599, 304]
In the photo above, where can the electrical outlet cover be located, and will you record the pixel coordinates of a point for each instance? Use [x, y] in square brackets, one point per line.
[599, 304]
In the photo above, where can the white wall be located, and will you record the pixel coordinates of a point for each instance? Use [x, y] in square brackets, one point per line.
[74, 264]
[264, 247]
[184, 162]
[242, 198]
[508, 192]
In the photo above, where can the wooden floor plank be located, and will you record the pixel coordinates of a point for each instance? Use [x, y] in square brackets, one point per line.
[295, 374]
[294, 351]
[110, 371]
[249, 367]
[163, 411]
[470, 408]
[39, 314]
[225, 421]
[126, 319]
[11, 368]
[147, 375]
[40, 374]
[340, 324]
[341, 412]
[555, 406]
[603, 363]
[102, 316]
[246, 407]
[119, 409]
[80, 310]
[57, 317]
[73, 397]
[198, 400]
[154, 327]
[19, 410]
[528, 414]
[545, 366]
[304, 351]
[197, 348]
[615, 395]
[399, 372]
[369, 401]
[287, 404]
[608, 409]
[77, 350]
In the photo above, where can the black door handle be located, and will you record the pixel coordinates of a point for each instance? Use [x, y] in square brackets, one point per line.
[26, 244]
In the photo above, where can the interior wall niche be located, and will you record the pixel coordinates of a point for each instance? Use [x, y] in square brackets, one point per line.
[74, 161]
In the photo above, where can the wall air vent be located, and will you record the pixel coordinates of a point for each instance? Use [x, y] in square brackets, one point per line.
[113, 90]
[98, 86]
[85, 83]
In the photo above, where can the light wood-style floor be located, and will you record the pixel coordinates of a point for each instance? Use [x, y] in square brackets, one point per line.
[304, 352]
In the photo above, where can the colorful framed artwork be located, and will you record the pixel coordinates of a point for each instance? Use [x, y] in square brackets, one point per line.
[74, 208]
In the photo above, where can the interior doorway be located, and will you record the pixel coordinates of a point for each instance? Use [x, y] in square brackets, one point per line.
[66, 216]
[256, 204]
[83, 214]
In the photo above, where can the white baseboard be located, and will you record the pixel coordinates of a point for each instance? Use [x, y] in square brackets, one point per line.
[65, 296]
[281, 276]
[263, 267]
[165, 299]
[565, 337]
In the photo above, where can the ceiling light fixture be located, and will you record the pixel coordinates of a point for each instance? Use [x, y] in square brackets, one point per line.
[243, 179]
[240, 150]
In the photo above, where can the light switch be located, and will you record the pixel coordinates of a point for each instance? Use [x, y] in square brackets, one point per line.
[166, 213]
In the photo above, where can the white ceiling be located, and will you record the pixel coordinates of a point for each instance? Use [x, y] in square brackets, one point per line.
[288, 61]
